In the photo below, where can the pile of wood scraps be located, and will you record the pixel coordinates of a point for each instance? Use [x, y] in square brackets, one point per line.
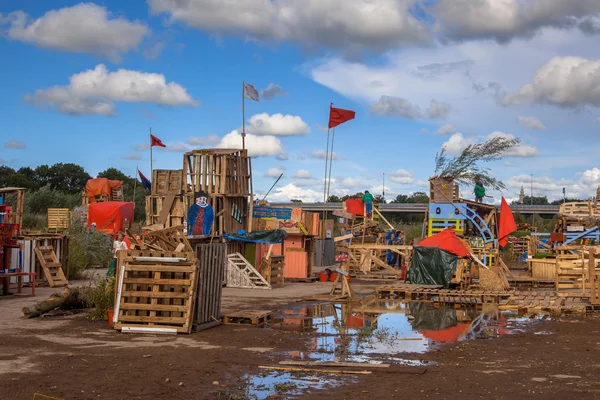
[169, 239]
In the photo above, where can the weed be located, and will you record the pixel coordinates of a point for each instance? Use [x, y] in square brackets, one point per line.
[101, 297]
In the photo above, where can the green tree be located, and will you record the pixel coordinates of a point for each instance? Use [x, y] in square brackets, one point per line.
[70, 178]
[418, 197]
[5, 174]
[537, 201]
[400, 199]
[334, 199]
[295, 201]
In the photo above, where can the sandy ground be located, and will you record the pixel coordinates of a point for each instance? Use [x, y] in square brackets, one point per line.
[69, 357]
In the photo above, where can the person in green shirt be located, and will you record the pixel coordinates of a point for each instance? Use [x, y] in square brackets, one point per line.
[479, 192]
[368, 200]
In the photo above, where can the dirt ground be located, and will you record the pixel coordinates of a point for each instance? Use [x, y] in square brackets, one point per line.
[69, 357]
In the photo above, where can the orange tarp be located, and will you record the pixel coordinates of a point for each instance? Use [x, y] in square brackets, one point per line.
[446, 240]
[100, 186]
[507, 223]
[355, 206]
[110, 216]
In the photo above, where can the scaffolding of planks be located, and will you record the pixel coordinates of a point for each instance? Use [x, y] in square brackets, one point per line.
[155, 291]
[226, 176]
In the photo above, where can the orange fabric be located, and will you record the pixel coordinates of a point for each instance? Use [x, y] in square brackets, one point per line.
[507, 223]
[110, 216]
[446, 240]
[451, 334]
[100, 186]
[355, 206]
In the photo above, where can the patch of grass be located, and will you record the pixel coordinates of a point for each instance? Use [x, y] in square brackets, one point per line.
[101, 297]
[87, 249]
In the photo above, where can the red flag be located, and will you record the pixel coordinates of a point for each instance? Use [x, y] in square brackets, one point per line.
[507, 223]
[154, 141]
[339, 116]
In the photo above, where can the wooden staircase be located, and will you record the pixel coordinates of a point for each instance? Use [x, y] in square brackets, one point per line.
[241, 274]
[51, 266]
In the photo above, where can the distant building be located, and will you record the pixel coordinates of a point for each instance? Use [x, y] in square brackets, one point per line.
[522, 196]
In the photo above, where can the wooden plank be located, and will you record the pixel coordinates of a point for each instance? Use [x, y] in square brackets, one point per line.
[152, 307]
[160, 268]
[159, 295]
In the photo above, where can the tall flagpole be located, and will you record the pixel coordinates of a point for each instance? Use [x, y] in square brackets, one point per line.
[150, 154]
[330, 162]
[325, 188]
[243, 119]
[135, 184]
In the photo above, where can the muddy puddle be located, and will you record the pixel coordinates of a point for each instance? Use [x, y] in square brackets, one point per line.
[374, 332]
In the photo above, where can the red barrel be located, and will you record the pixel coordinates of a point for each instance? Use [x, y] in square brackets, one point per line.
[333, 276]
[323, 276]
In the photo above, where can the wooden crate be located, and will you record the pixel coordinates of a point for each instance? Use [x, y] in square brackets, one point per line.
[212, 263]
[443, 190]
[542, 268]
[218, 171]
[167, 181]
[155, 294]
[277, 266]
[58, 218]
[579, 209]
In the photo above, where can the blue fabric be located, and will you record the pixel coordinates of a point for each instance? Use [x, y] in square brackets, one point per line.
[208, 214]
[145, 181]
[369, 205]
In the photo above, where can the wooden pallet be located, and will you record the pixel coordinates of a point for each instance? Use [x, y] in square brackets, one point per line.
[59, 218]
[212, 258]
[169, 239]
[248, 317]
[51, 266]
[156, 292]
[439, 295]
[277, 279]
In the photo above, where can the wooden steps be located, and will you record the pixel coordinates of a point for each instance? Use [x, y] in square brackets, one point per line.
[51, 266]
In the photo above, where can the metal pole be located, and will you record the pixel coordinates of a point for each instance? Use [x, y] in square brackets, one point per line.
[531, 201]
[383, 188]
[273, 186]
[243, 119]
[151, 155]
[325, 187]
[135, 184]
[330, 164]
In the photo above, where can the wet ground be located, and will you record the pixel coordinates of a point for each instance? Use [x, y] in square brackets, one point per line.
[377, 332]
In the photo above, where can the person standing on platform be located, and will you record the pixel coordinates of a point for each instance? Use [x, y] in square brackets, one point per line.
[368, 200]
[479, 192]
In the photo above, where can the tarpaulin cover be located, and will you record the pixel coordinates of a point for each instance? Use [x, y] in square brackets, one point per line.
[109, 216]
[446, 240]
[355, 206]
[101, 186]
[265, 237]
[431, 266]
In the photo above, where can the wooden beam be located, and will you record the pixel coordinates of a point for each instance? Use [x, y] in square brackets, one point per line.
[383, 218]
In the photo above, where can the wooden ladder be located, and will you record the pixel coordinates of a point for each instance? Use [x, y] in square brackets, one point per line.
[238, 265]
[51, 266]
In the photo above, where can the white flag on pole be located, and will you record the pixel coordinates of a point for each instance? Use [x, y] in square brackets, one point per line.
[250, 92]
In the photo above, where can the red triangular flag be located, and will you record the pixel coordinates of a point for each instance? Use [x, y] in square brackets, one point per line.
[339, 116]
[507, 223]
[154, 141]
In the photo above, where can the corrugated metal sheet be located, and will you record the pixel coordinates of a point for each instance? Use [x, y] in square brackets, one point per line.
[295, 264]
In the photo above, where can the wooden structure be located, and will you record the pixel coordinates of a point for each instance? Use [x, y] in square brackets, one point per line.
[51, 266]
[169, 239]
[443, 190]
[276, 271]
[156, 292]
[165, 211]
[248, 317]
[59, 219]
[18, 205]
[165, 181]
[226, 175]
[241, 274]
[28, 258]
[212, 260]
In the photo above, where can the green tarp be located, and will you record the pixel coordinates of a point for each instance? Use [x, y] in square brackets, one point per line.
[432, 266]
[431, 319]
[266, 237]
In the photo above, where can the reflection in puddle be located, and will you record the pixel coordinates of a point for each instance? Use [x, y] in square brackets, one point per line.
[375, 331]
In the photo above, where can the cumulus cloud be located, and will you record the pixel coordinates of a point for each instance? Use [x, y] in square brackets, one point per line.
[531, 122]
[445, 129]
[504, 20]
[320, 155]
[293, 191]
[83, 28]
[392, 106]
[273, 172]
[522, 150]
[568, 82]
[457, 143]
[257, 146]
[14, 144]
[335, 24]
[402, 177]
[277, 125]
[176, 147]
[302, 174]
[437, 109]
[132, 156]
[272, 91]
[95, 91]
[203, 140]
[591, 177]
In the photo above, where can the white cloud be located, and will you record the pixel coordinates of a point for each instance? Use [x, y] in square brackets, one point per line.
[142, 147]
[531, 122]
[132, 156]
[402, 177]
[324, 128]
[568, 82]
[273, 172]
[335, 24]
[272, 91]
[302, 174]
[597, 120]
[293, 191]
[504, 20]
[445, 129]
[14, 144]
[457, 143]
[277, 125]
[320, 155]
[95, 91]
[176, 148]
[203, 140]
[309, 182]
[258, 146]
[282, 156]
[392, 106]
[521, 150]
[591, 177]
[438, 109]
[83, 28]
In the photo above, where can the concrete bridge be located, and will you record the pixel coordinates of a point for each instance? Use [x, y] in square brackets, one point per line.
[417, 208]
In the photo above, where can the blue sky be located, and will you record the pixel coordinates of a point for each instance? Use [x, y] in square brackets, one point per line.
[84, 82]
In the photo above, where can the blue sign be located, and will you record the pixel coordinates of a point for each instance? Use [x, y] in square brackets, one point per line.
[272, 212]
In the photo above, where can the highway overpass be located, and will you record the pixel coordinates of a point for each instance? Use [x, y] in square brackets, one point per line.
[416, 208]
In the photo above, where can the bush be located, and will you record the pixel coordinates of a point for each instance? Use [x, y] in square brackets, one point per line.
[37, 222]
[87, 249]
[102, 298]
[39, 201]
